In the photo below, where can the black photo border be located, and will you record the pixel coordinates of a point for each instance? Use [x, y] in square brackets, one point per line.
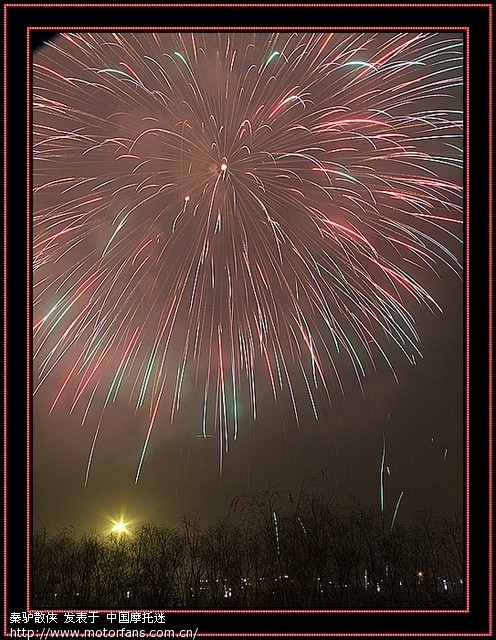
[27, 24]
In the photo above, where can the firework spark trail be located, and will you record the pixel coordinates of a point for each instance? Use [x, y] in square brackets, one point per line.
[223, 211]
[395, 512]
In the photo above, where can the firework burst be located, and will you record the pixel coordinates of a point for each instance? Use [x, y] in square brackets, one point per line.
[225, 211]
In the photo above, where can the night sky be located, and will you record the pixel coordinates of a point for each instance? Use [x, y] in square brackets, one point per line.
[208, 229]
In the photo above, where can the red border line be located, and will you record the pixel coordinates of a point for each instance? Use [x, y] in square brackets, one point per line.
[275, 611]
[345, 29]
[490, 368]
[261, 5]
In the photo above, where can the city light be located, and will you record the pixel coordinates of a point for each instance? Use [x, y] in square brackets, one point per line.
[120, 527]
